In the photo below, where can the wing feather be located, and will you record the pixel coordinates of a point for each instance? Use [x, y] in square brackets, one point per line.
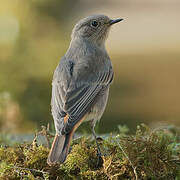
[74, 98]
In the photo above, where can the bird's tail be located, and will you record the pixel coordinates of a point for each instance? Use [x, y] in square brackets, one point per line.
[59, 149]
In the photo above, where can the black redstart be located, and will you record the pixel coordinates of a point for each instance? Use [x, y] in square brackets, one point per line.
[81, 83]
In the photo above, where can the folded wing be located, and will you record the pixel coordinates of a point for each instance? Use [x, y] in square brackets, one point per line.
[75, 98]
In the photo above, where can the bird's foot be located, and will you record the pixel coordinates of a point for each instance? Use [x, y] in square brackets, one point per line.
[99, 158]
[99, 161]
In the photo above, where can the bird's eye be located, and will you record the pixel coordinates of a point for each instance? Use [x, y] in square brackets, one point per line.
[94, 23]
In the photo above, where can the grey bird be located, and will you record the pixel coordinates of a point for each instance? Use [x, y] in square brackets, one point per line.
[81, 83]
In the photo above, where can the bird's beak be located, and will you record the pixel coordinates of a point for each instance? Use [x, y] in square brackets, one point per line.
[114, 21]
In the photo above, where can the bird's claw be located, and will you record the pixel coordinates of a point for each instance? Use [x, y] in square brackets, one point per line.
[99, 159]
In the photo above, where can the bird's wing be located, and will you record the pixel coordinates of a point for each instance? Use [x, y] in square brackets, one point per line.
[73, 97]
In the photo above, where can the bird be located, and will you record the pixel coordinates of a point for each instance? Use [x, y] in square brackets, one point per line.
[81, 82]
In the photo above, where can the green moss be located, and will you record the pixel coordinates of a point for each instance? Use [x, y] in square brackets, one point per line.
[36, 157]
[146, 155]
[80, 162]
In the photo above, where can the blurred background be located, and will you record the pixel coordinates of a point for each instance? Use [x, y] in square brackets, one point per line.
[144, 48]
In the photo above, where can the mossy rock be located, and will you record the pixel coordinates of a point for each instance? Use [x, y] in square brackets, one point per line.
[146, 155]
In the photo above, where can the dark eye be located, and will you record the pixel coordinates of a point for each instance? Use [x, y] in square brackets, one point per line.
[94, 23]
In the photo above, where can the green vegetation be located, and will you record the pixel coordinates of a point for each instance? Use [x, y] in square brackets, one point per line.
[146, 155]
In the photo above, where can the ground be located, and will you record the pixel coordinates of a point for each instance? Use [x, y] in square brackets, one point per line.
[148, 154]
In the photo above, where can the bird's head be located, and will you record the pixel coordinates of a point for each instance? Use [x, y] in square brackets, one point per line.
[94, 28]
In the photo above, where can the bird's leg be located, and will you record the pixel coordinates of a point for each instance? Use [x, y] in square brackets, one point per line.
[97, 144]
[98, 147]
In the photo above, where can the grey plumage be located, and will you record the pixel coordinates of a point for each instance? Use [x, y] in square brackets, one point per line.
[81, 82]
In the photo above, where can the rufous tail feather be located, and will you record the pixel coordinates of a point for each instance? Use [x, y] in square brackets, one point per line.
[59, 149]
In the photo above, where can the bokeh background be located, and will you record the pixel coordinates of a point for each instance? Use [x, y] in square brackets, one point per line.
[144, 48]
